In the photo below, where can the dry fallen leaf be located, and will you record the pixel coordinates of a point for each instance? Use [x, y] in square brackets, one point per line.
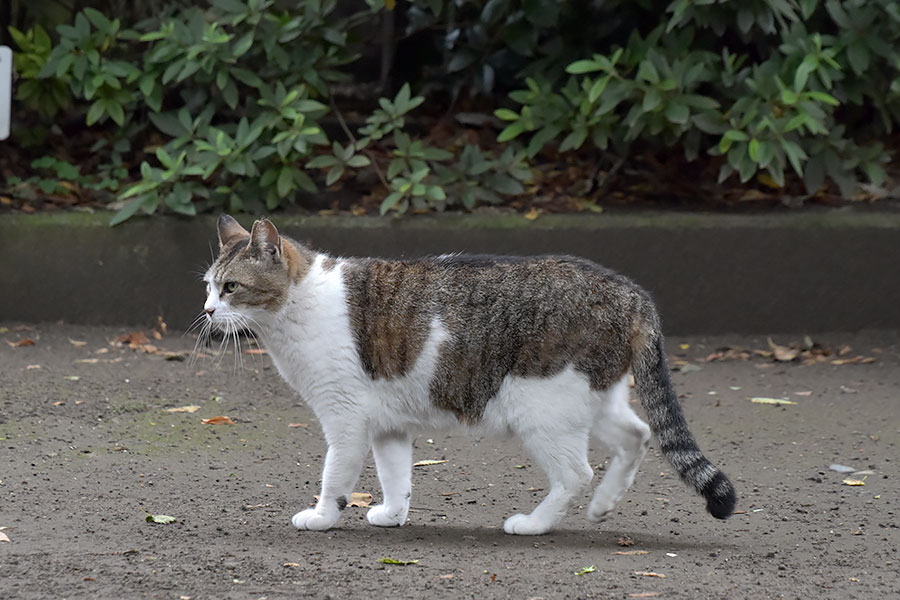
[3, 537]
[184, 409]
[31, 367]
[650, 574]
[854, 481]
[21, 343]
[447, 576]
[728, 353]
[773, 401]
[425, 463]
[218, 421]
[631, 552]
[394, 561]
[532, 214]
[856, 360]
[133, 339]
[161, 519]
[357, 500]
[783, 353]
[88, 361]
[291, 565]
[625, 541]
[77, 343]
[59, 403]
[644, 595]
[297, 425]
[360, 500]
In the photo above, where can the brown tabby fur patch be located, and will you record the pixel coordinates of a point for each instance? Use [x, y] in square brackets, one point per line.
[529, 317]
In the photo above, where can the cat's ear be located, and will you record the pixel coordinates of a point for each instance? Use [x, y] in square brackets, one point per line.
[265, 236]
[230, 230]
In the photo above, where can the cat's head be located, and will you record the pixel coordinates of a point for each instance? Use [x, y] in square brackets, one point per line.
[251, 278]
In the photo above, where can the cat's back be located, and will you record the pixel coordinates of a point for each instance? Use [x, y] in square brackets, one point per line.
[455, 279]
[502, 315]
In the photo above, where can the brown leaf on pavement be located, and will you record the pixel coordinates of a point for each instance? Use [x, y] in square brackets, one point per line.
[21, 343]
[133, 339]
[650, 574]
[625, 541]
[631, 552]
[184, 409]
[357, 500]
[3, 537]
[783, 353]
[304, 425]
[856, 360]
[77, 343]
[223, 420]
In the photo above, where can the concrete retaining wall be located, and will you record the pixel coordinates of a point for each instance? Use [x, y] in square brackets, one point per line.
[710, 273]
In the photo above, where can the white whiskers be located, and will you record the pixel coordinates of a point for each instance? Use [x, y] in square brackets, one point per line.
[232, 327]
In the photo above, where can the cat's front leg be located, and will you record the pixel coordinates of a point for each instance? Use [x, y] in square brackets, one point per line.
[393, 459]
[343, 463]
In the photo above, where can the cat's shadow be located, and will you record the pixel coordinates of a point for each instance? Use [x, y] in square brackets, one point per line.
[468, 536]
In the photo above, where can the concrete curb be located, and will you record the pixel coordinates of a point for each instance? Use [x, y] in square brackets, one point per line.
[710, 273]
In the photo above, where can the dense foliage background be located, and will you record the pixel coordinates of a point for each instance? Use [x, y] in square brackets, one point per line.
[430, 104]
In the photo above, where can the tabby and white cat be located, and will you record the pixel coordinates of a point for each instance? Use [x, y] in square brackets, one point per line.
[536, 347]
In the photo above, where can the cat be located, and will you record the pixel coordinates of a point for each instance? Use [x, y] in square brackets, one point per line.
[536, 347]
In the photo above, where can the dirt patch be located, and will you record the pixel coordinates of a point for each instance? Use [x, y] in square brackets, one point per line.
[87, 450]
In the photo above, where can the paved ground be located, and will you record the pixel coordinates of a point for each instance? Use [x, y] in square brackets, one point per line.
[87, 450]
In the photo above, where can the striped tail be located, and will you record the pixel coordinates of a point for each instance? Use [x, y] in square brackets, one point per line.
[651, 375]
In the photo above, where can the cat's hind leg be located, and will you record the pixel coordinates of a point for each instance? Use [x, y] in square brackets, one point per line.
[393, 459]
[347, 449]
[618, 428]
[552, 418]
[563, 456]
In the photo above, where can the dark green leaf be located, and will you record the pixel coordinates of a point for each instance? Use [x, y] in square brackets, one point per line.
[677, 113]
[334, 174]
[126, 212]
[510, 132]
[506, 114]
[390, 202]
[583, 66]
[652, 99]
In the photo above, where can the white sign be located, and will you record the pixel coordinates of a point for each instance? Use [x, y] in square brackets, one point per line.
[6, 70]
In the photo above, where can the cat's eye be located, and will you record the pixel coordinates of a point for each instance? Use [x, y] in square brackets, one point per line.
[229, 287]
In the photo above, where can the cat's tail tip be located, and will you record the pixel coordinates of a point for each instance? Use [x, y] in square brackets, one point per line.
[720, 496]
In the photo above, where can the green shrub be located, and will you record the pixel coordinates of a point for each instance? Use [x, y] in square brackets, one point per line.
[758, 83]
[231, 106]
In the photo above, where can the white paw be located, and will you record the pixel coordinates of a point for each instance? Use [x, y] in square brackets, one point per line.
[525, 525]
[378, 516]
[311, 520]
[600, 508]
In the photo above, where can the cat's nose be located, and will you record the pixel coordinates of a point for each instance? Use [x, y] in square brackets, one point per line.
[209, 311]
